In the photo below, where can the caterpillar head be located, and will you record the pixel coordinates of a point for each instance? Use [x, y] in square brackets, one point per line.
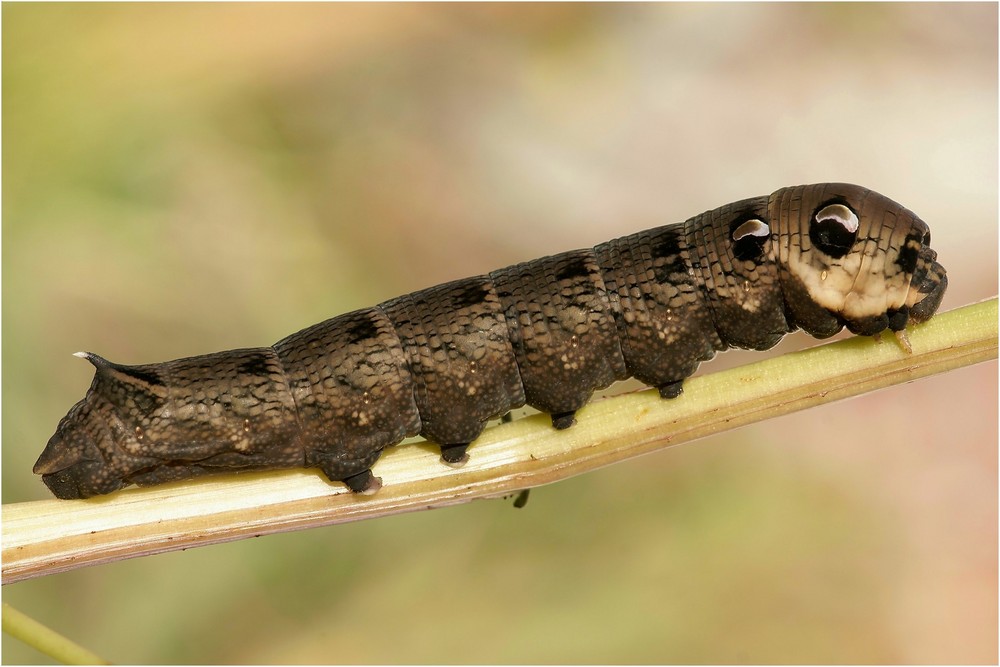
[851, 257]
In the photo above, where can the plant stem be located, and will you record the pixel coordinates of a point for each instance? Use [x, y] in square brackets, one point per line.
[21, 626]
[49, 536]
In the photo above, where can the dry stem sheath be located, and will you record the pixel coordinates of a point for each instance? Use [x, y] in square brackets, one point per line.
[49, 536]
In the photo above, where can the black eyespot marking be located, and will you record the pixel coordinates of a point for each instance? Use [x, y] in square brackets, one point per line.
[834, 229]
[750, 235]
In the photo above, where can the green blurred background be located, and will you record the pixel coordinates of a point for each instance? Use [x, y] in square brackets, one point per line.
[180, 179]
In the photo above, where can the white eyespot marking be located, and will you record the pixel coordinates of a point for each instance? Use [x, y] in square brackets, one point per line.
[839, 214]
[752, 227]
[749, 239]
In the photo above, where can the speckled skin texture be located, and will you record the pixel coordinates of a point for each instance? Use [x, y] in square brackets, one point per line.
[443, 361]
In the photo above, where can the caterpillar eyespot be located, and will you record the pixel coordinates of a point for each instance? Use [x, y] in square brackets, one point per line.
[834, 229]
[749, 238]
[442, 361]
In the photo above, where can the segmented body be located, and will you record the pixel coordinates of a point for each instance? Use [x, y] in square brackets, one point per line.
[442, 361]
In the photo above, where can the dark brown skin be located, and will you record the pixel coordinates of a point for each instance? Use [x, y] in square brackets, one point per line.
[443, 361]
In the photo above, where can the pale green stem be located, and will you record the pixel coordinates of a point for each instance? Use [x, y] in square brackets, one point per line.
[49, 536]
[48, 641]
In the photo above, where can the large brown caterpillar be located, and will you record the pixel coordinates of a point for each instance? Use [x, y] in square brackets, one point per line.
[443, 361]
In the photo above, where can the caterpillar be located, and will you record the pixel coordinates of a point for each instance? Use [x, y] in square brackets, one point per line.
[442, 361]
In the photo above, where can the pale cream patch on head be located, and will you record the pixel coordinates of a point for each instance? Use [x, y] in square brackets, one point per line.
[829, 281]
[856, 286]
[881, 285]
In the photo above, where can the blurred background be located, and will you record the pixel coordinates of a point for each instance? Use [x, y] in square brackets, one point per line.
[180, 179]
